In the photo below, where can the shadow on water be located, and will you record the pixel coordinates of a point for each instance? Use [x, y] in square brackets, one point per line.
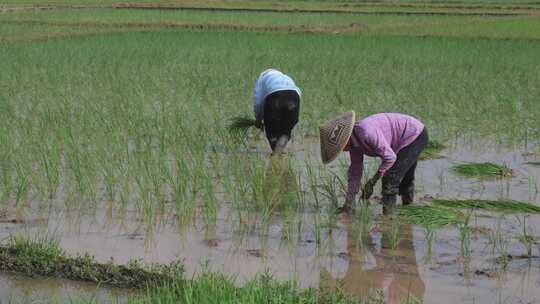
[374, 266]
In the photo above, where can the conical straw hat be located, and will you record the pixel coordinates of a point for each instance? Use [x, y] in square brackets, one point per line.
[335, 134]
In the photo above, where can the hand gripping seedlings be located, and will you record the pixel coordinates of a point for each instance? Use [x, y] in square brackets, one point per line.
[398, 139]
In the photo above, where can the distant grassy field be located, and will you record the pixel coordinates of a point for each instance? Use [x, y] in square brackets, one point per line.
[258, 4]
[106, 20]
[36, 24]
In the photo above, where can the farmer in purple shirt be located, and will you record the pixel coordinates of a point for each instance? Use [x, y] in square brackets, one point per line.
[398, 139]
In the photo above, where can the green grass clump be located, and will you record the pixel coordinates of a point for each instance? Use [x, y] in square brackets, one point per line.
[45, 257]
[429, 216]
[218, 288]
[534, 163]
[495, 205]
[432, 150]
[483, 170]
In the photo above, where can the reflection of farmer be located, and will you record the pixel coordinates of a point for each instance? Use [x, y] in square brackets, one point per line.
[395, 272]
[276, 103]
[396, 138]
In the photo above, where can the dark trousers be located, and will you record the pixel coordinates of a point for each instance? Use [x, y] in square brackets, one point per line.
[399, 179]
[281, 112]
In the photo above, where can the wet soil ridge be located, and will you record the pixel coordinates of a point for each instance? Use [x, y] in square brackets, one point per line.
[329, 11]
[486, 169]
[493, 205]
[355, 26]
[45, 257]
[50, 7]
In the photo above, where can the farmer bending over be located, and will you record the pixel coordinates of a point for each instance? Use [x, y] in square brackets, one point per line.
[276, 103]
[397, 139]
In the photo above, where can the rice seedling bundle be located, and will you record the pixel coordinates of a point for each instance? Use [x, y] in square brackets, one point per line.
[495, 205]
[483, 170]
[241, 124]
[429, 216]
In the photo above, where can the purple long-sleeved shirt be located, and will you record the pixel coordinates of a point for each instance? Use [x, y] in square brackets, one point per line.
[382, 135]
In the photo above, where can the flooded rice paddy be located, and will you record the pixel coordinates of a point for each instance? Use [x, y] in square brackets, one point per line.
[320, 250]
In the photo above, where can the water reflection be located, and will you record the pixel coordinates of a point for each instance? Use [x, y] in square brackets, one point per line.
[374, 266]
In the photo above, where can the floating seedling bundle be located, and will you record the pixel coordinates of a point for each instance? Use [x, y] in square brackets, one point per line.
[494, 205]
[430, 216]
[483, 170]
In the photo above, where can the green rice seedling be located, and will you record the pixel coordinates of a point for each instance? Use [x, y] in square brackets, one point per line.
[331, 220]
[91, 178]
[534, 163]
[6, 165]
[125, 188]
[432, 150]
[23, 172]
[183, 198]
[430, 216]
[210, 200]
[496, 238]
[313, 181]
[533, 187]
[483, 170]
[442, 181]
[465, 236]
[330, 188]
[501, 242]
[365, 220]
[318, 232]
[301, 193]
[495, 205]
[291, 185]
[50, 162]
[525, 238]
[145, 203]
[394, 233]
[430, 235]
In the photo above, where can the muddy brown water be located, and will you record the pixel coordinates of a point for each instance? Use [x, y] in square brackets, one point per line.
[15, 288]
[339, 257]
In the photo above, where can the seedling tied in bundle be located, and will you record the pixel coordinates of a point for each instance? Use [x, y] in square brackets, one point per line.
[430, 216]
[483, 170]
[241, 124]
[493, 205]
